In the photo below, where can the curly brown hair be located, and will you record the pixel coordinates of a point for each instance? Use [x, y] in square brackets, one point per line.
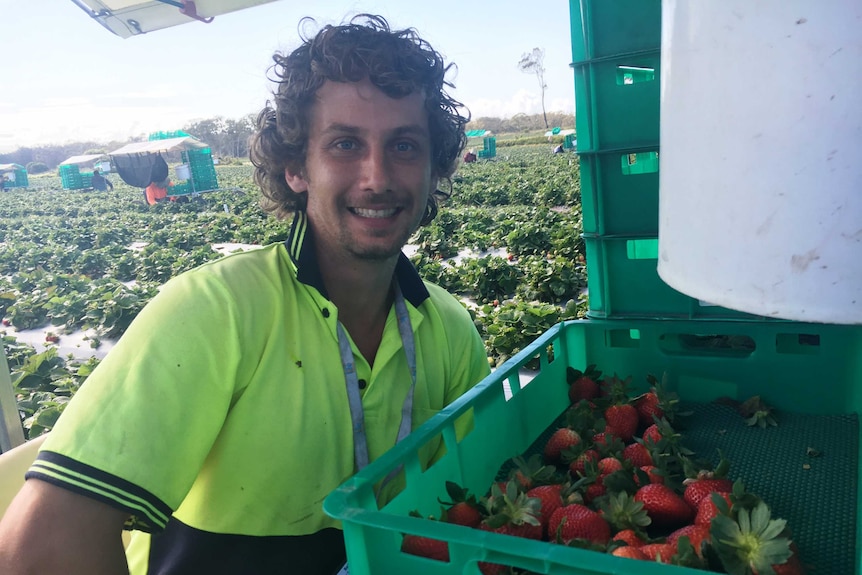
[398, 62]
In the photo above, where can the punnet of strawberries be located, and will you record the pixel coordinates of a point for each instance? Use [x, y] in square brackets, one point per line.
[618, 479]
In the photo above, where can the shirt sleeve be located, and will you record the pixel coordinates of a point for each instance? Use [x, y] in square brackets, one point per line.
[139, 429]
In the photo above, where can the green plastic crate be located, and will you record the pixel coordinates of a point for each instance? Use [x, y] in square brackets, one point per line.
[619, 192]
[623, 282]
[811, 373]
[602, 28]
[617, 102]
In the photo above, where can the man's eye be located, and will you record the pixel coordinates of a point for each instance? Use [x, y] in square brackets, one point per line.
[405, 147]
[345, 145]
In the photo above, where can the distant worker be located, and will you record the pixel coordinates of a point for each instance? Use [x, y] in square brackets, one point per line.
[558, 149]
[100, 183]
[470, 157]
[157, 192]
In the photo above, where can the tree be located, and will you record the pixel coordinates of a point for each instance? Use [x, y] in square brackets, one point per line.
[533, 63]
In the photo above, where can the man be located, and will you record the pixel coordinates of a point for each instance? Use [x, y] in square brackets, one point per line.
[251, 387]
[100, 183]
[157, 191]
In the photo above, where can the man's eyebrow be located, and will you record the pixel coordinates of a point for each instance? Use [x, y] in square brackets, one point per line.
[409, 129]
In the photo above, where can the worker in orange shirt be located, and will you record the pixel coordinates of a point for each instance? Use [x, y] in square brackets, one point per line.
[157, 192]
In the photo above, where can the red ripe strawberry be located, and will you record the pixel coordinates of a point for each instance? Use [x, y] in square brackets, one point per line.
[594, 490]
[563, 438]
[630, 537]
[697, 535]
[647, 406]
[793, 566]
[608, 465]
[551, 500]
[583, 385]
[462, 513]
[706, 510]
[630, 553]
[698, 489]
[664, 506]
[661, 552]
[621, 421]
[637, 454]
[462, 509]
[525, 530]
[579, 522]
[577, 466]
[425, 547]
[652, 434]
[650, 470]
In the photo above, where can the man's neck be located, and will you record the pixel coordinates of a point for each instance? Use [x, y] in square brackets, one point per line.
[362, 292]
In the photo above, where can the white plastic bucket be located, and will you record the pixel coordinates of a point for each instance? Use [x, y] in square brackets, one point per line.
[760, 199]
[183, 172]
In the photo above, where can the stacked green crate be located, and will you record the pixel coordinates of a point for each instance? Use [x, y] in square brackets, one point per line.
[21, 180]
[616, 50]
[203, 172]
[167, 135]
[490, 147]
[70, 177]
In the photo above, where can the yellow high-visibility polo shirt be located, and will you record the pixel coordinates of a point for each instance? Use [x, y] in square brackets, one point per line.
[223, 413]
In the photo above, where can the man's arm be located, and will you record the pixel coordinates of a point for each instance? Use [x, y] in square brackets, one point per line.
[48, 529]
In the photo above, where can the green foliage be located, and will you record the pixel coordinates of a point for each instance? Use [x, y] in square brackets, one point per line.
[73, 260]
[37, 168]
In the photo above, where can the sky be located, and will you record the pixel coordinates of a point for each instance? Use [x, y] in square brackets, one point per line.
[64, 78]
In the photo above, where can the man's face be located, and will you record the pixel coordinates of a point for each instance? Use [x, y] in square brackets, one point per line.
[368, 170]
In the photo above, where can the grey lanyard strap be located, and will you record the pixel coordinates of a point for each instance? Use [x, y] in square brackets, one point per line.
[360, 441]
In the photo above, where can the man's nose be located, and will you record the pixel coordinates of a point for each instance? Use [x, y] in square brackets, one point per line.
[375, 168]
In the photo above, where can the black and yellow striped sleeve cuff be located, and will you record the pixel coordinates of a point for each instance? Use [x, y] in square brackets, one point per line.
[149, 513]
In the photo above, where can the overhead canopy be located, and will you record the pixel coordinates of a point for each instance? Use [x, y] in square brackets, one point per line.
[127, 18]
[10, 167]
[559, 132]
[478, 133]
[156, 146]
[86, 159]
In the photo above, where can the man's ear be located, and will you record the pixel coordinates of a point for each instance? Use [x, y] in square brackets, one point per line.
[296, 179]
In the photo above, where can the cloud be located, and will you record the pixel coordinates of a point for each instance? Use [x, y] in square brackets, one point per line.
[521, 102]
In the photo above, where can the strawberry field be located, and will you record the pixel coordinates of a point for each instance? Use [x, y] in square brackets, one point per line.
[77, 266]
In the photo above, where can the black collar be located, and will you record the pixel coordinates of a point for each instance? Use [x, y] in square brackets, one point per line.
[300, 247]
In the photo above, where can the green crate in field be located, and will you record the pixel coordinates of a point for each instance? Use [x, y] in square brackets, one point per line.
[619, 192]
[617, 102]
[623, 282]
[811, 373]
[602, 28]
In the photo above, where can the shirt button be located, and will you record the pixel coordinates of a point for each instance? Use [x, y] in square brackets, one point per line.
[325, 312]
[363, 384]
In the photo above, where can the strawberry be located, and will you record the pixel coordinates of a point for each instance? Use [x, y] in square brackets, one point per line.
[661, 552]
[621, 421]
[511, 512]
[462, 513]
[530, 472]
[651, 471]
[630, 537]
[630, 553]
[593, 491]
[582, 385]
[576, 467]
[550, 496]
[637, 454]
[707, 511]
[697, 536]
[664, 506]
[651, 435]
[754, 542]
[578, 522]
[698, 489]
[608, 465]
[563, 438]
[647, 406]
[425, 547]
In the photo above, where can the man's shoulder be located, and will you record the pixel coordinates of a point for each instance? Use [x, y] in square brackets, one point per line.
[445, 302]
[243, 268]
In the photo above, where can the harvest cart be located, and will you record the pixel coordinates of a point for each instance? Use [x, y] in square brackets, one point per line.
[13, 176]
[195, 175]
[73, 178]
